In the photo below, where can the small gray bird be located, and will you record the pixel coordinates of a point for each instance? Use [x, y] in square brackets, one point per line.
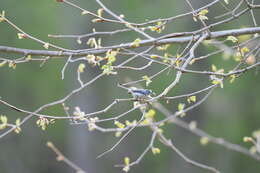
[140, 94]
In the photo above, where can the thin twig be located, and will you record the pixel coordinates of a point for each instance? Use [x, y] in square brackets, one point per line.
[61, 157]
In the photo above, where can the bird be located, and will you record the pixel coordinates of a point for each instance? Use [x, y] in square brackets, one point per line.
[140, 94]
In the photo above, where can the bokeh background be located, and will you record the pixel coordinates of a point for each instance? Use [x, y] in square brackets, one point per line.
[231, 112]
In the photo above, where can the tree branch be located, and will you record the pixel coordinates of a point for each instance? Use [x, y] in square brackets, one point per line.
[143, 43]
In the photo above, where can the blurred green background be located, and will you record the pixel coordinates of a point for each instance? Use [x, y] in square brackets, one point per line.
[231, 112]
